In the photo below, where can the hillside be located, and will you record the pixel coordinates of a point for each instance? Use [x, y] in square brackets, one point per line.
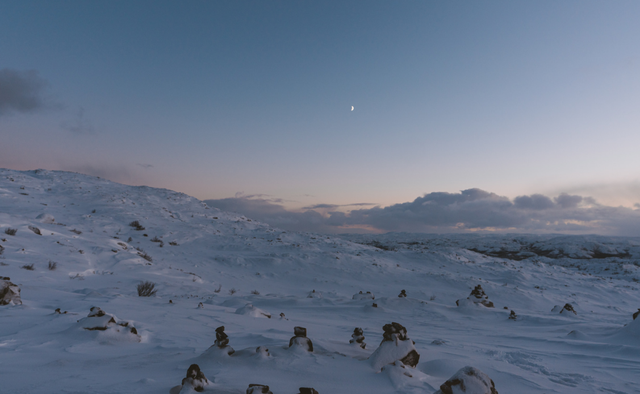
[207, 265]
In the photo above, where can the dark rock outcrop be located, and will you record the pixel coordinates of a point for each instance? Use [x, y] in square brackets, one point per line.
[395, 346]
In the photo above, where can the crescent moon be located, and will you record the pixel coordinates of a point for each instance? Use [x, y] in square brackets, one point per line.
[352, 107]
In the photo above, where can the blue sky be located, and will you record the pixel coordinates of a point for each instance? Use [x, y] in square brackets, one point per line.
[252, 100]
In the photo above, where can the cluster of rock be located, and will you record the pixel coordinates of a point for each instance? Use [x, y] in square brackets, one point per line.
[196, 381]
[9, 292]
[364, 296]
[567, 309]
[477, 296]
[395, 346]
[99, 320]
[358, 337]
[222, 341]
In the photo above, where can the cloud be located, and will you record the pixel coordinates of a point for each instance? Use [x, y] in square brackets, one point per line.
[21, 91]
[467, 211]
[145, 166]
[335, 206]
[79, 124]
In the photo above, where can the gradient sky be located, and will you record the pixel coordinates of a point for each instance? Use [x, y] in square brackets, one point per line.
[254, 97]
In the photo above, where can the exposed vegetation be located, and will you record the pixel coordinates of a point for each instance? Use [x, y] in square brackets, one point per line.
[146, 289]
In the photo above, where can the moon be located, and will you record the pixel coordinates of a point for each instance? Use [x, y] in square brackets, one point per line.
[352, 107]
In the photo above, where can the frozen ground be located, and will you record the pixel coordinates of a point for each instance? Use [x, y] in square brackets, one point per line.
[226, 261]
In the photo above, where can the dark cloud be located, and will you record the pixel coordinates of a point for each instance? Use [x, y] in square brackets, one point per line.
[534, 201]
[567, 201]
[21, 91]
[469, 210]
[79, 124]
[145, 166]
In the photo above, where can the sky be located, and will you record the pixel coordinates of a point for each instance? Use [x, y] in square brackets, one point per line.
[247, 104]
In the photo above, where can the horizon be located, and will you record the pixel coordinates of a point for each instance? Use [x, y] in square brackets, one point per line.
[339, 116]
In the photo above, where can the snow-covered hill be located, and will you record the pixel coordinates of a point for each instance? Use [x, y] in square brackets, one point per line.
[77, 246]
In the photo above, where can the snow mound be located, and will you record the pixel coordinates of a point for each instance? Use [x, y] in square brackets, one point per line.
[251, 310]
[46, 218]
[477, 296]
[468, 380]
[99, 320]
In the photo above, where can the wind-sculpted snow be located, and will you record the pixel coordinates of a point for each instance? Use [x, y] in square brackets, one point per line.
[213, 269]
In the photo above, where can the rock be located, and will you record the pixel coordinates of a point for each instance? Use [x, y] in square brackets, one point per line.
[635, 315]
[478, 296]
[358, 337]
[402, 294]
[251, 310]
[468, 380]
[364, 296]
[314, 294]
[258, 389]
[513, 316]
[308, 390]
[300, 339]
[59, 312]
[200, 305]
[99, 320]
[46, 218]
[9, 292]
[195, 380]
[282, 317]
[568, 308]
[222, 339]
[395, 346]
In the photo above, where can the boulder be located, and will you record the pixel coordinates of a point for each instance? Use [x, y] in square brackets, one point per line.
[478, 296]
[513, 316]
[308, 390]
[300, 339]
[635, 315]
[403, 293]
[222, 340]
[364, 296]
[358, 337]
[468, 380]
[9, 292]
[395, 346]
[258, 389]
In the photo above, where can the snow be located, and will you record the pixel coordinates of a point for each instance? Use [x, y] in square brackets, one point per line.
[227, 261]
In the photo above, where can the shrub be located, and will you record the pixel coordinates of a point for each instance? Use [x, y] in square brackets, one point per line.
[52, 265]
[35, 230]
[255, 292]
[136, 225]
[233, 291]
[11, 231]
[146, 289]
[76, 231]
[28, 267]
[1, 249]
[145, 256]
[218, 289]
[173, 243]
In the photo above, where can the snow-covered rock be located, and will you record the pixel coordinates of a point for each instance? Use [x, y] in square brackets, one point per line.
[194, 381]
[46, 218]
[258, 389]
[99, 320]
[300, 340]
[251, 310]
[395, 346]
[468, 380]
[9, 292]
[364, 296]
[477, 296]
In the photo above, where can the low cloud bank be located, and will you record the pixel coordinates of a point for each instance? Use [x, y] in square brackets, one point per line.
[468, 211]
